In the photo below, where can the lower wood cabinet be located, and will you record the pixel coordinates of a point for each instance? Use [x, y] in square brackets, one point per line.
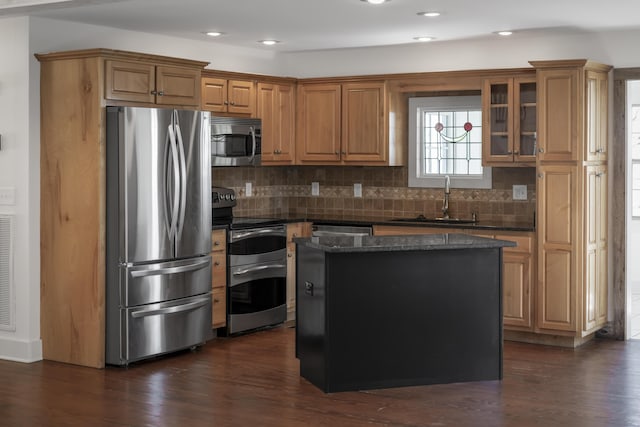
[219, 278]
[517, 272]
[298, 229]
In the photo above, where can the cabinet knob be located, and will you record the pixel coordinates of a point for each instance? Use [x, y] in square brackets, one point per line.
[290, 255]
[153, 92]
[161, 93]
[226, 103]
[216, 243]
[540, 150]
[217, 263]
[343, 152]
[600, 150]
[599, 174]
[509, 152]
[233, 103]
[336, 153]
[516, 153]
[216, 300]
[540, 175]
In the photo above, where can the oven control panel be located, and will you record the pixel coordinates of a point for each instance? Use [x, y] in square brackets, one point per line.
[222, 197]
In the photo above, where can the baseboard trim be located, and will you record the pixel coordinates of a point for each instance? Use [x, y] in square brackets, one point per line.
[20, 350]
[544, 339]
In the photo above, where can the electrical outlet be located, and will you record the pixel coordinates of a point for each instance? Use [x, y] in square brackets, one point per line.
[7, 196]
[248, 189]
[315, 188]
[519, 192]
[357, 190]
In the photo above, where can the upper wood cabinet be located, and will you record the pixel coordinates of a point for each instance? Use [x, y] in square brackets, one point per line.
[344, 123]
[152, 83]
[509, 121]
[276, 109]
[233, 96]
[572, 110]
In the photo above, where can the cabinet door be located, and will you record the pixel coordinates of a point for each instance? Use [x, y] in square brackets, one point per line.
[595, 272]
[214, 94]
[130, 81]
[242, 97]
[497, 121]
[276, 109]
[219, 307]
[266, 111]
[177, 86]
[363, 123]
[319, 113]
[285, 121]
[557, 217]
[558, 115]
[524, 120]
[597, 93]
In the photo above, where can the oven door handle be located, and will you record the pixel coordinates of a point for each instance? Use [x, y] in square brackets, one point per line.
[257, 268]
[253, 233]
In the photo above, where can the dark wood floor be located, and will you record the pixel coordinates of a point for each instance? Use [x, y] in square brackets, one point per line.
[253, 380]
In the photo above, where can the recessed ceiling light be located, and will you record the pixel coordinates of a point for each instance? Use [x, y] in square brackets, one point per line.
[424, 39]
[268, 42]
[213, 33]
[375, 1]
[504, 33]
[429, 14]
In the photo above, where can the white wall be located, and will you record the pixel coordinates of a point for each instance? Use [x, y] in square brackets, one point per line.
[17, 170]
[20, 38]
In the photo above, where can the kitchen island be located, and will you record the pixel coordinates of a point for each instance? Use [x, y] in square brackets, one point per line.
[378, 312]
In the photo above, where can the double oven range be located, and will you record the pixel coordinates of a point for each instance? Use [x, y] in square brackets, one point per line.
[256, 266]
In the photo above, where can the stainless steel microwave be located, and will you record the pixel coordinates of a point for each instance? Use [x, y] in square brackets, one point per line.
[235, 141]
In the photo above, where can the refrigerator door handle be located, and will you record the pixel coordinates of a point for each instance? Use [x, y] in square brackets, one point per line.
[183, 180]
[172, 270]
[176, 178]
[171, 310]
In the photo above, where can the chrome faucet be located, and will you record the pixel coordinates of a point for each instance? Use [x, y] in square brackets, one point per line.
[445, 201]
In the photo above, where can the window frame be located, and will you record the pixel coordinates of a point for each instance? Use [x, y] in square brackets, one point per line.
[418, 105]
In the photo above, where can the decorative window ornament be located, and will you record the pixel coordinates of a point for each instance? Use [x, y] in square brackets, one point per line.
[439, 127]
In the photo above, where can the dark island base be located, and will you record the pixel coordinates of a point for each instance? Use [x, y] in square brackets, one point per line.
[369, 320]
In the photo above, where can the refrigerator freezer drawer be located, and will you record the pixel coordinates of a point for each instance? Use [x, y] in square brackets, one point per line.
[162, 328]
[153, 283]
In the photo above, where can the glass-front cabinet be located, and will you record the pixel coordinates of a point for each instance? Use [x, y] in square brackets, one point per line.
[509, 121]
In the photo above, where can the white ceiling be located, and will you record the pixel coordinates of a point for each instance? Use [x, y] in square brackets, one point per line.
[302, 25]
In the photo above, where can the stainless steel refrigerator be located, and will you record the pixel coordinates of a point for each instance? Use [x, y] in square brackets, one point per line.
[158, 210]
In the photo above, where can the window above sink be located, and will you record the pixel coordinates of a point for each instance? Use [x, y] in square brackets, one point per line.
[445, 138]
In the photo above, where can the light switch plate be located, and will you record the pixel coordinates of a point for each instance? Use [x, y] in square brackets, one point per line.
[519, 192]
[315, 188]
[357, 190]
[7, 196]
[248, 189]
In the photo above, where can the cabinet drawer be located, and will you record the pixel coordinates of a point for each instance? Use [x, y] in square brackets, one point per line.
[218, 240]
[219, 269]
[525, 243]
[219, 307]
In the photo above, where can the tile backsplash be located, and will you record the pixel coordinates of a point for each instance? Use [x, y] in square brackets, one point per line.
[286, 190]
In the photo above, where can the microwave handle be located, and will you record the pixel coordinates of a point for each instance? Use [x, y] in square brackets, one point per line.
[252, 131]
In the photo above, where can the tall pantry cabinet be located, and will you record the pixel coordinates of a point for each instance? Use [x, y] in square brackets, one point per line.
[572, 198]
[75, 88]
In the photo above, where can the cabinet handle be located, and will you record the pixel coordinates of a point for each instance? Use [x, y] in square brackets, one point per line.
[161, 93]
[600, 150]
[599, 174]
[153, 92]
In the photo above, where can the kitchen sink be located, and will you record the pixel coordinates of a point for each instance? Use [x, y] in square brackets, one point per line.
[422, 218]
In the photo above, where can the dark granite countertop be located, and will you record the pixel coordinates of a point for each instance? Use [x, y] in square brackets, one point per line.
[370, 221]
[429, 242]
